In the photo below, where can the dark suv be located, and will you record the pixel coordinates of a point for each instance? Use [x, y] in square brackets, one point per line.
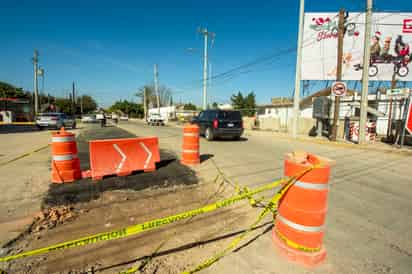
[219, 123]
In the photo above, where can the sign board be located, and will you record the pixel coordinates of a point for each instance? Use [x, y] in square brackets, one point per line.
[408, 123]
[391, 46]
[398, 92]
[339, 88]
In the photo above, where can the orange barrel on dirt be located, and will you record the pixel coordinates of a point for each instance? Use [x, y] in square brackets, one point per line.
[65, 163]
[299, 224]
[190, 149]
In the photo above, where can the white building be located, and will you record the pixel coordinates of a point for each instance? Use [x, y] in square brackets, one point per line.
[167, 113]
[378, 110]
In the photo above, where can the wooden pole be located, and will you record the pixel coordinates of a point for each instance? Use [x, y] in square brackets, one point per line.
[341, 32]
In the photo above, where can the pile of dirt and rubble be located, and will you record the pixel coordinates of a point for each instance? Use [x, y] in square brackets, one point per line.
[51, 217]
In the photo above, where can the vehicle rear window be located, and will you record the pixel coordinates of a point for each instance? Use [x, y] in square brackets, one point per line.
[229, 115]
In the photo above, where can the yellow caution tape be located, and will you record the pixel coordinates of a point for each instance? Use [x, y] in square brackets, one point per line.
[264, 212]
[296, 245]
[146, 226]
[23, 155]
[145, 262]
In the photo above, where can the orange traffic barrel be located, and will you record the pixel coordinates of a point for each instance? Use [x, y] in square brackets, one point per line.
[299, 224]
[65, 163]
[190, 150]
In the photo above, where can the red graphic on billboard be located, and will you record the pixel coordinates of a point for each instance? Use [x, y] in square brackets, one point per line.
[407, 26]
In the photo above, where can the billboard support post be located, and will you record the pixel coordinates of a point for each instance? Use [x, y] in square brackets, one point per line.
[365, 74]
[296, 96]
[338, 73]
[389, 130]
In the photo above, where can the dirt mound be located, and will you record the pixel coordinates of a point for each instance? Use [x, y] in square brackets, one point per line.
[51, 217]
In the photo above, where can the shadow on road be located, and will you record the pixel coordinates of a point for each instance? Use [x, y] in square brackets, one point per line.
[4, 129]
[241, 139]
[205, 157]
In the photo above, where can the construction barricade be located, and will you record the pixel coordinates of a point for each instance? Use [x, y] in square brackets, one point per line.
[190, 149]
[65, 163]
[121, 157]
[299, 224]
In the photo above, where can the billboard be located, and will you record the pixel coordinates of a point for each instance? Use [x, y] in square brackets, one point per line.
[391, 46]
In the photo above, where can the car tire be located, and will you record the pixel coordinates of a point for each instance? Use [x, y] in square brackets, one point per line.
[373, 70]
[236, 138]
[209, 134]
[402, 71]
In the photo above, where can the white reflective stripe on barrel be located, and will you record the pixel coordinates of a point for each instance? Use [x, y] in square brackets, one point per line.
[191, 134]
[63, 139]
[299, 226]
[311, 186]
[64, 157]
[190, 151]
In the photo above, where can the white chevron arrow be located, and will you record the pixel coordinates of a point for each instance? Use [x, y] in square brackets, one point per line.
[119, 167]
[149, 154]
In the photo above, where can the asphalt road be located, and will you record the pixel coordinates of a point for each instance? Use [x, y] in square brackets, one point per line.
[368, 220]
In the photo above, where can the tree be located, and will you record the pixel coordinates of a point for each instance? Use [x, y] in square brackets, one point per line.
[64, 105]
[89, 104]
[10, 91]
[165, 95]
[246, 105]
[215, 105]
[129, 108]
[189, 106]
[237, 100]
[250, 104]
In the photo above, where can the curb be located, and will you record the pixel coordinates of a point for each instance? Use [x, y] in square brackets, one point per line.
[345, 145]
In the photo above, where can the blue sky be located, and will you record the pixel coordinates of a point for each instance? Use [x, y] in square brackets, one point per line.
[109, 47]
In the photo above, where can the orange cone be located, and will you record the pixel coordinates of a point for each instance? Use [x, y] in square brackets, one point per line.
[65, 163]
[190, 151]
[299, 225]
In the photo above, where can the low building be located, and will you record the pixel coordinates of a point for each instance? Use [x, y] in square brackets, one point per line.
[380, 105]
[167, 113]
[16, 110]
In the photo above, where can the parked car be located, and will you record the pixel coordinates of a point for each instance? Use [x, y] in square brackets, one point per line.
[89, 118]
[124, 118]
[217, 123]
[155, 119]
[54, 120]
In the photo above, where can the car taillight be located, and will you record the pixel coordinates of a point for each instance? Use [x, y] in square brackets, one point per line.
[241, 124]
[215, 123]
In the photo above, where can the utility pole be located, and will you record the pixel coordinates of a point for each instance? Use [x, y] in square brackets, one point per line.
[145, 103]
[296, 96]
[205, 34]
[341, 33]
[365, 73]
[156, 83]
[393, 86]
[73, 99]
[81, 105]
[36, 83]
